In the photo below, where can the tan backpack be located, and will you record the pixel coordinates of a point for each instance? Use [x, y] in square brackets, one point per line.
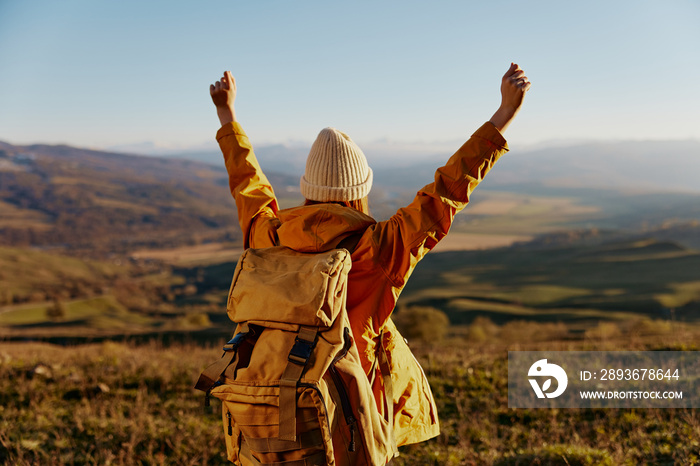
[292, 386]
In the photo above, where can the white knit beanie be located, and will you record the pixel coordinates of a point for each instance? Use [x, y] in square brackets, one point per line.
[336, 169]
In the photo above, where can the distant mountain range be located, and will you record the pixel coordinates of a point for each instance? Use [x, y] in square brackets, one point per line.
[93, 200]
[637, 165]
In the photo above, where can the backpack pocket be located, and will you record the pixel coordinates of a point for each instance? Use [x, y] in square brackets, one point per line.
[251, 426]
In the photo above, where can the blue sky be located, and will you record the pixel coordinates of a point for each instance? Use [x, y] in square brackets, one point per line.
[100, 73]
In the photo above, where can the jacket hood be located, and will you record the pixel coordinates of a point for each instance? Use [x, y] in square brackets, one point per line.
[320, 227]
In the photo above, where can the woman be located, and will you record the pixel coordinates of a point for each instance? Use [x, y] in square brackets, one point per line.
[335, 184]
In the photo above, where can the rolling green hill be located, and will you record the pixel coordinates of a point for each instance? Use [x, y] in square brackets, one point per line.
[580, 284]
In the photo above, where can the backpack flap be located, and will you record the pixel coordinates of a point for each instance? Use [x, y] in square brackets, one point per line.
[279, 285]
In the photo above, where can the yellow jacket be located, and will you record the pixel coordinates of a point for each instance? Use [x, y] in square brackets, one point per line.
[382, 261]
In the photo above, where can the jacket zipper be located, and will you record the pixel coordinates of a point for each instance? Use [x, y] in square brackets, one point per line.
[230, 427]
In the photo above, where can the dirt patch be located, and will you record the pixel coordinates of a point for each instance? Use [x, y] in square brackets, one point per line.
[473, 241]
[211, 253]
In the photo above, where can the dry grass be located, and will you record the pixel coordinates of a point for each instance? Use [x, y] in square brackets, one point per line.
[105, 404]
[123, 404]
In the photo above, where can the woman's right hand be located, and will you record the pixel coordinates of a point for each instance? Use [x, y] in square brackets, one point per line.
[514, 85]
[223, 94]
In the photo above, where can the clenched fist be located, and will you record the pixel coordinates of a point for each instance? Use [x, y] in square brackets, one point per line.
[514, 85]
[223, 94]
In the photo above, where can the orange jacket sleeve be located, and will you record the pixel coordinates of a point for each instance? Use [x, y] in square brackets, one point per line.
[406, 237]
[255, 199]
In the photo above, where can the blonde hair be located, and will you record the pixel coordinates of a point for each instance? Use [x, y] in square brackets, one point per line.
[358, 204]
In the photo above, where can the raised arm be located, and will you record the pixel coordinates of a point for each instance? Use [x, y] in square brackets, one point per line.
[255, 199]
[406, 237]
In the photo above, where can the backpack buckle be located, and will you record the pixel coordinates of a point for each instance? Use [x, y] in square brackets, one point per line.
[236, 340]
[301, 351]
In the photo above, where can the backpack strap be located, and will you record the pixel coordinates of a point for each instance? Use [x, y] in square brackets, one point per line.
[210, 376]
[297, 359]
[350, 242]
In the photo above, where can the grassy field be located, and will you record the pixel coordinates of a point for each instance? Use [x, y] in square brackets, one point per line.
[610, 281]
[509, 213]
[116, 403]
[28, 274]
[97, 298]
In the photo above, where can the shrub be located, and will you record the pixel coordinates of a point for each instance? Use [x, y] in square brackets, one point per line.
[482, 329]
[422, 323]
[528, 332]
[198, 320]
[646, 326]
[57, 311]
[603, 331]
